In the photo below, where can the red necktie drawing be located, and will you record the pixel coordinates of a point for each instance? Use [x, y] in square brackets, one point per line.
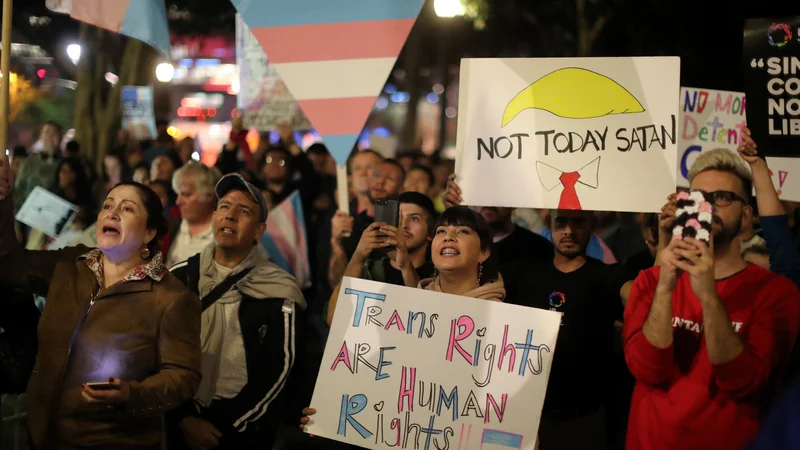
[569, 197]
[551, 177]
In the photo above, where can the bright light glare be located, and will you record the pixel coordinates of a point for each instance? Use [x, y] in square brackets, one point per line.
[74, 53]
[448, 8]
[196, 156]
[164, 72]
[112, 78]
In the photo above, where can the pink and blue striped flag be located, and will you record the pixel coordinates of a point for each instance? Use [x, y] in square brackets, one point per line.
[285, 239]
[145, 20]
[334, 55]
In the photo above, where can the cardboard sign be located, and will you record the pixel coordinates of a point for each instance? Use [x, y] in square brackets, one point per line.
[709, 119]
[412, 369]
[569, 133]
[47, 212]
[772, 77]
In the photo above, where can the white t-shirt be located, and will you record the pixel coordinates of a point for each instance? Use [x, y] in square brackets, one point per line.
[184, 245]
[232, 375]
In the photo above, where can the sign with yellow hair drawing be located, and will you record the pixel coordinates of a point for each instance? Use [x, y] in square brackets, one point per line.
[569, 133]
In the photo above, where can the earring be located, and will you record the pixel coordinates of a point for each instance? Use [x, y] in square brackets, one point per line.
[145, 252]
[480, 273]
[435, 272]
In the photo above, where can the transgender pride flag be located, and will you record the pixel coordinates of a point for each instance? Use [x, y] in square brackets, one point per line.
[145, 20]
[285, 239]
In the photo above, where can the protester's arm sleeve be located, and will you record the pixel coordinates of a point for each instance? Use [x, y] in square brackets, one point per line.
[179, 367]
[258, 399]
[647, 363]
[768, 339]
[228, 162]
[784, 259]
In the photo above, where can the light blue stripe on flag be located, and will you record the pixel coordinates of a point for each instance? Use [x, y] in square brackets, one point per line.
[275, 255]
[276, 13]
[500, 439]
[340, 145]
[146, 20]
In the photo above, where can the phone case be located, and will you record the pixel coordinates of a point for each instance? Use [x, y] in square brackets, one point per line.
[693, 217]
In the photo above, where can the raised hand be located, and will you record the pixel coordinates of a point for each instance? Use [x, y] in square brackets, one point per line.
[373, 238]
[452, 196]
[666, 218]
[748, 148]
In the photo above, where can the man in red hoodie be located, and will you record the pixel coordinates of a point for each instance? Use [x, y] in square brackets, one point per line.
[706, 334]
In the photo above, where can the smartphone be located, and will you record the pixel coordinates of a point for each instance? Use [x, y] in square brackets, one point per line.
[693, 217]
[101, 386]
[387, 211]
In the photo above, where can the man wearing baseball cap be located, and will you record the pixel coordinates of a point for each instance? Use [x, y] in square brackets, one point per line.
[247, 336]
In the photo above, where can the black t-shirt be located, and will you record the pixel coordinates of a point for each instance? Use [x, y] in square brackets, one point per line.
[524, 245]
[589, 299]
[380, 269]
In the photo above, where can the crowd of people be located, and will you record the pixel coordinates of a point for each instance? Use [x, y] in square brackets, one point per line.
[664, 343]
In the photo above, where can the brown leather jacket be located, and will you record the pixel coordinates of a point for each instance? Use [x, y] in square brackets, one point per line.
[143, 332]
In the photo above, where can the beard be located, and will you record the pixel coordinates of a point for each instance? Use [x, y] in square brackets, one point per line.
[727, 232]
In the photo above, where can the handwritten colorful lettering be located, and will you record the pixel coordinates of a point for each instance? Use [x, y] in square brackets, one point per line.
[568, 133]
[413, 369]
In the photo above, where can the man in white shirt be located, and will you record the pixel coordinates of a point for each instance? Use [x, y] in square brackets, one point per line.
[194, 184]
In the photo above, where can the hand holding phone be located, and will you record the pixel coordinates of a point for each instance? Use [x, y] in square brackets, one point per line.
[101, 386]
[387, 211]
[693, 217]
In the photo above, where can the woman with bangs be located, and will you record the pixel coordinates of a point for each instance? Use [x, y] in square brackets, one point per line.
[463, 254]
[464, 261]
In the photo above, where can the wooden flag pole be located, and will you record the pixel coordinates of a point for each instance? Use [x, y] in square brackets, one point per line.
[5, 65]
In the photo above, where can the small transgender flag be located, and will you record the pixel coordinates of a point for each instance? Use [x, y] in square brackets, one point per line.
[500, 440]
[285, 239]
[145, 20]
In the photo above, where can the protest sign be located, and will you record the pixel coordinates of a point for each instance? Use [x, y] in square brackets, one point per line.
[263, 97]
[414, 369]
[47, 212]
[714, 119]
[709, 119]
[569, 133]
[138, 115]
[772, 84]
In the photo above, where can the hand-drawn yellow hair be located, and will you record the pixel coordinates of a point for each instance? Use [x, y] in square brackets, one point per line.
[574, 93]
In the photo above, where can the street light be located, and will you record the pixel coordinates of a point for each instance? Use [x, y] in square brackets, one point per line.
[164, 72]
[74, 53]
[448, 8]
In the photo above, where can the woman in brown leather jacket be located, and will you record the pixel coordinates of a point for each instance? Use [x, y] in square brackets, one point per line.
[114, 315]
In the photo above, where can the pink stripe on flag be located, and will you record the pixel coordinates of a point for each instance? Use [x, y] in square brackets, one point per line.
[107, 14]
[338, 115]
[334, 41]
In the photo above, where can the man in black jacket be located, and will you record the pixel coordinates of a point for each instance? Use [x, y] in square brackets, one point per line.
[248, 333]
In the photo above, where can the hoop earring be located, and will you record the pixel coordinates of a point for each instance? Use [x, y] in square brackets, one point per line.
[480, 273]
[145, 252]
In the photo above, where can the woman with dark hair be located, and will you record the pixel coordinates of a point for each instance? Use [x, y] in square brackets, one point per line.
[73, 186]
[463, 254]
[119, 335]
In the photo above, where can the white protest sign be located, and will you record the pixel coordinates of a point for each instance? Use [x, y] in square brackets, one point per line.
[414, 369]
[46, 212]
[714, 119]
[569, 133]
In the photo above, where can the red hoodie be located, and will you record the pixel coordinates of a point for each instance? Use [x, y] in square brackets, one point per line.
[682, 401]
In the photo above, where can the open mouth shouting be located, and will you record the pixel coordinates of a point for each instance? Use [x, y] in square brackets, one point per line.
[110, 230]
[449, 251]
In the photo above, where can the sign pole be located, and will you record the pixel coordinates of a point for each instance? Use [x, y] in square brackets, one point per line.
[5, 62]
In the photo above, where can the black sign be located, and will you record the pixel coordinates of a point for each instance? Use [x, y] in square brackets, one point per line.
[772, 77]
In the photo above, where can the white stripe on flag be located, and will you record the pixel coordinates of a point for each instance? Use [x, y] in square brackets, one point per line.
[343, 78]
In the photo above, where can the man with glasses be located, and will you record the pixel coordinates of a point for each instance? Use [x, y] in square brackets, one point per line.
[706, 334]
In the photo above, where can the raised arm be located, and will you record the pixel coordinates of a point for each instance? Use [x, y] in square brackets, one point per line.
[28, 271]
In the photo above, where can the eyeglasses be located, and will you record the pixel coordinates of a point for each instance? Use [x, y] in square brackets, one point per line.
[281, 162]
[723, 198]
